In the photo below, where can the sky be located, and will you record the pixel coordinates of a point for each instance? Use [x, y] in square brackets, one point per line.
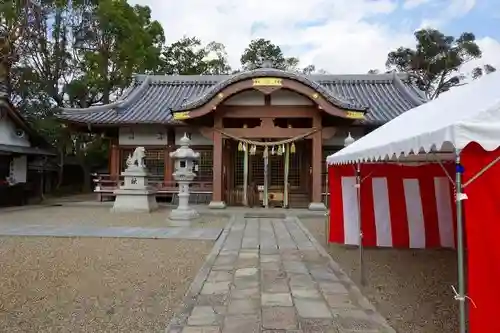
[339, 36]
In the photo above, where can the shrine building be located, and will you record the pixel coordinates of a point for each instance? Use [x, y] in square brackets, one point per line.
[264, 132]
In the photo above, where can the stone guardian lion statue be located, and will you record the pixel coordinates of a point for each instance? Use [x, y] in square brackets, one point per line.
[137, 158]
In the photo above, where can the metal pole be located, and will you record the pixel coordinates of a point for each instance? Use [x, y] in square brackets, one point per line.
[460, 242]
[327, 213]
[266, 162]
[360, 229]
[245, 174]
[287, 171]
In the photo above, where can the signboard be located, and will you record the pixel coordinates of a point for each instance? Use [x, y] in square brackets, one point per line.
[267, 81]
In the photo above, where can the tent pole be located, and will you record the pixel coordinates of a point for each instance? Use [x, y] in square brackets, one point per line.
[460, 242]
[360, 229]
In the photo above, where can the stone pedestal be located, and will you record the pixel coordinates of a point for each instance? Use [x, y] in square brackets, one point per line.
[135, 195]
[217, 205]
[317, 206]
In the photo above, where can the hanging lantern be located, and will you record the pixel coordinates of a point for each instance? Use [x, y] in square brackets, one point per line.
[292, 148]
[240, 146]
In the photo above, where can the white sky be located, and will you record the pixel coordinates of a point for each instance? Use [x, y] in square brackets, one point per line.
[346, 39]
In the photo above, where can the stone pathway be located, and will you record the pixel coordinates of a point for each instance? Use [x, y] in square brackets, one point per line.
[114, 232]
[270, 275]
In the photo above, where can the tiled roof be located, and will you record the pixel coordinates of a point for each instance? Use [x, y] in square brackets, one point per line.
[152, 98]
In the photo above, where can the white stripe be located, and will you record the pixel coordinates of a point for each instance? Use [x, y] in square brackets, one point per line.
[414, 213]
[350, 209]
[382, 212]
[444, 211]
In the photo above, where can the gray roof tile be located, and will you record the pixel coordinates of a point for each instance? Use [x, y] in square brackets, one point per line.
[151, 98]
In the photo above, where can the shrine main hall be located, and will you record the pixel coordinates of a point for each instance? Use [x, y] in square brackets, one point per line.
[263, 135]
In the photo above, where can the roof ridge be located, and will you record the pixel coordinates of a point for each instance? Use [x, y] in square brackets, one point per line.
[398, 83]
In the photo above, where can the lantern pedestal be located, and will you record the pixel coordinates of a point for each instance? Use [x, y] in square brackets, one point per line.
[317, 206]
[135, 195]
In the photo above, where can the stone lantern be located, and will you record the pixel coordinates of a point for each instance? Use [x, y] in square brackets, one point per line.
[184, 158]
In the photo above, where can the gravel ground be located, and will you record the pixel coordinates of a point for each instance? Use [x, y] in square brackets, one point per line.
[92, 284]
[411, 288]
[99, 216]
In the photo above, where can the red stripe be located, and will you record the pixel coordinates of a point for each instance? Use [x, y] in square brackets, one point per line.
[367, 209]
[397, 208]
[429, 208]
[336, 207]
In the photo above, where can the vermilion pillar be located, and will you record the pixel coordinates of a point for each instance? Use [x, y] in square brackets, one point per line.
[317, 203]
[217, 201]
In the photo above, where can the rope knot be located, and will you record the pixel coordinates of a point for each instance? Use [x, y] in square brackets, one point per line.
[462, 298]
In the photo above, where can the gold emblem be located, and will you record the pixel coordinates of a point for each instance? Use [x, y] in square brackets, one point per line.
[355, 115]
[220, 95]
[181, 115]
[267, 81]
[315, 95]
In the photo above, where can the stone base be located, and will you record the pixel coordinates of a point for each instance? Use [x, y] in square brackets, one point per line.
[182, 217]
[217, 205]
[134, 201]
[317, 206]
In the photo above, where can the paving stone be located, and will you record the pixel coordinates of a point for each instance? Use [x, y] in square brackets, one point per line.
[201, 329]
[332, 288]
[323, 275]
[242, 272]
[279, 318]
[318, 326]
[276, 299]
[247, 263]
[308, 308]
[246, 282]
[220, 276]
[203, 316]
[306, 293]
[269, 258]
[270, 266]
[239, 293]
[213, 300]
[339, 301]
[242, 324]
[210, 288]
[279, 286]
[249, 255]
[244, 306]
[295, 267]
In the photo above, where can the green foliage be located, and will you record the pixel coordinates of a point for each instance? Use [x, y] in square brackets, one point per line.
[260, 51]
[189, 57]
[435, 62]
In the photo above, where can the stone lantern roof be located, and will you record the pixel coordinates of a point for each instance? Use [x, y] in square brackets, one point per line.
[184, 152]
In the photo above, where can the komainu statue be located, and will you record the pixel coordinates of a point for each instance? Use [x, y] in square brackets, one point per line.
[137, 158]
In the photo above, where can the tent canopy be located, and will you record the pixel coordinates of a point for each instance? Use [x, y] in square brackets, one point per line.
[470, 113]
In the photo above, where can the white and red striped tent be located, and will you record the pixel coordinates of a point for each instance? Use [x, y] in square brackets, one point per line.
[407, 207]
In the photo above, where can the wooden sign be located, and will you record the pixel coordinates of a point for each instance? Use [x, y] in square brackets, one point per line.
[268, 81]
[181, 115]
[355, 115]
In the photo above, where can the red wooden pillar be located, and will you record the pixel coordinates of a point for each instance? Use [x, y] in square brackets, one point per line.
[316, 203]
[217, 198]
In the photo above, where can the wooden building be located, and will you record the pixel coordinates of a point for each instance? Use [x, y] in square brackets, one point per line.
[262, 134]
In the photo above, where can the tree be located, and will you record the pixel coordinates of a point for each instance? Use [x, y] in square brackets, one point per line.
[188, 56]
[435, 62]
[260, 51]
[479, 71]
[79, 54]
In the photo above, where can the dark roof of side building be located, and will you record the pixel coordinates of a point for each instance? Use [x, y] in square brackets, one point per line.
[152, 99]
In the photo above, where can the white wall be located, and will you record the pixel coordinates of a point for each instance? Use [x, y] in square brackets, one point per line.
[143, 135]
[19, 169]
[8, 135]
[287, 97]
[251, 97]
[197, 139]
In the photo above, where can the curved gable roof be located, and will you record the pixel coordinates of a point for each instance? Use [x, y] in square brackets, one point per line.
[270, 72]
[152, 98]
